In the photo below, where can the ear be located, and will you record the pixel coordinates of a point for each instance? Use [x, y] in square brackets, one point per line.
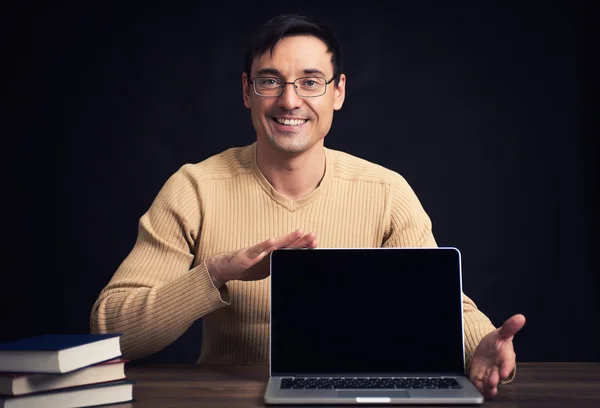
[246, 90]
[340, 93]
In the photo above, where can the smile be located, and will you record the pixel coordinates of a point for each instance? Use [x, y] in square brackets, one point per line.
[290, 122]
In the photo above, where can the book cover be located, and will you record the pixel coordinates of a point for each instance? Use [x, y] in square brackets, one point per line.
[12, 384]
[53, 342]
[58, 353]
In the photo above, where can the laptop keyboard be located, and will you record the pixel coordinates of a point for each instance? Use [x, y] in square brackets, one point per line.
[369, 383]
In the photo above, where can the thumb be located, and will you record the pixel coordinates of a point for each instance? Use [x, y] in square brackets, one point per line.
[511, 326]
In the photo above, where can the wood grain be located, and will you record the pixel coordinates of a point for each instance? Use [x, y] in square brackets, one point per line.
[543, 385]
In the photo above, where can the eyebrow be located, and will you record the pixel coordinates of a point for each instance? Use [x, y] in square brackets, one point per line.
[273, 71]
[314, 71]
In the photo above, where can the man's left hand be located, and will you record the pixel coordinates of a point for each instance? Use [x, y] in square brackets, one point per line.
[494, 358]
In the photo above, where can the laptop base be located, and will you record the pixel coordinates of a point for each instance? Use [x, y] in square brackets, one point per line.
[467, 395]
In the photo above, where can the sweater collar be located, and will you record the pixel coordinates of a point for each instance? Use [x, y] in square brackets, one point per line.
[289, 204]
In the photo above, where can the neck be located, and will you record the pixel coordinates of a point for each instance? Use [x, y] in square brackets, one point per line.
[293, 176]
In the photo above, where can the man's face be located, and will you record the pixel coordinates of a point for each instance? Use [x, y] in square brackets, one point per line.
[307, 120]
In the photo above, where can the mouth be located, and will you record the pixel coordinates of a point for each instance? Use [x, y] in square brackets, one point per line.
[289, 122]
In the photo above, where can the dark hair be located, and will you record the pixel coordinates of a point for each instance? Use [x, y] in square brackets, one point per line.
[279, 27]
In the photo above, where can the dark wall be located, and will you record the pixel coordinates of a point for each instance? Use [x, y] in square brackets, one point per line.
[488, 109]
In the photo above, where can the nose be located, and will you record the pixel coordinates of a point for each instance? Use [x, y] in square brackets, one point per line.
[289, 99]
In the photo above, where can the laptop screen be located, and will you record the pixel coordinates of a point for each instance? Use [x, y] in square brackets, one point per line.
[380, 310]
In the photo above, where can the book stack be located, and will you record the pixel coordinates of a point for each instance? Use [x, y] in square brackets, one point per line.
[63, 371]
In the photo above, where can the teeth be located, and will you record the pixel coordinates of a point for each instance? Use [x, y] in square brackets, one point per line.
[290, 122]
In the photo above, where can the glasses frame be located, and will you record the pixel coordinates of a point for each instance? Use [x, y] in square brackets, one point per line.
[283, 84]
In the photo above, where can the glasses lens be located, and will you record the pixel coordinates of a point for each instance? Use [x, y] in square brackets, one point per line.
[268, 86]
[306, 86]
[310, 86]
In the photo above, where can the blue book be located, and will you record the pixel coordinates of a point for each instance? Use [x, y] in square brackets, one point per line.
[58, 353]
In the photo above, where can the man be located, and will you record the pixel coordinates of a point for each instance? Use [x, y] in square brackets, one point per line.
[202, 245]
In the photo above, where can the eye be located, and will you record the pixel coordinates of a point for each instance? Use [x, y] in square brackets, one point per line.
[268, 82]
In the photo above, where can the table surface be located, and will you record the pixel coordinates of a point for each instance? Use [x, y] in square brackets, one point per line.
[547, 385]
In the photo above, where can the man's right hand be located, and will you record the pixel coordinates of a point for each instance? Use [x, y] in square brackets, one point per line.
[252, 263]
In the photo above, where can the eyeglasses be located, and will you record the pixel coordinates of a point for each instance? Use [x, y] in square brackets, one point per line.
[305, 87]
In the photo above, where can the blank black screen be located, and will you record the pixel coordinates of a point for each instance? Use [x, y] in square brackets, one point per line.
[366, 311]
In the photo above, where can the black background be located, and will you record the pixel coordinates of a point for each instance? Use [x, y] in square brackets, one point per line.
[488, 109]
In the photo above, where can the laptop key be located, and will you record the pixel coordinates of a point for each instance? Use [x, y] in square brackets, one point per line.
[369, 383]
[287, 383]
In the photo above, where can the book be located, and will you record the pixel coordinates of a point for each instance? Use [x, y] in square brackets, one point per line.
[12, 384]
[58, 353]
[84, 396]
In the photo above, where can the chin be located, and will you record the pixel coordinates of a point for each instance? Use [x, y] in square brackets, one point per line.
[290, 145]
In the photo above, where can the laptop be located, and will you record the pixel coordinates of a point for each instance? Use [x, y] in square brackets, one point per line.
[367, 326]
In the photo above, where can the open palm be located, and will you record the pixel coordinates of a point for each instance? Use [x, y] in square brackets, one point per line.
[494, 359]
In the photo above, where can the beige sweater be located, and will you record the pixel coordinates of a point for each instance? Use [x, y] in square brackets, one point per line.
[225, 203]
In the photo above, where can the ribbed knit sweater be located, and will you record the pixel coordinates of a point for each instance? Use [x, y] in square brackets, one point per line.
[225, 203]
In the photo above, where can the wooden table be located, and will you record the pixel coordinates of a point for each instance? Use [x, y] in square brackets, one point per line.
[544, 385]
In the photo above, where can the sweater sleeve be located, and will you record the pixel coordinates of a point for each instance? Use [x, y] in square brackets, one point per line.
[157, 293]
[408, 225]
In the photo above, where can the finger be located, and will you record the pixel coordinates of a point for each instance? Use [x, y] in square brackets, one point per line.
[511, 326]
[272, 243]
[258, 249]
[477, 377]
[491, 393]
[508, 365]
[311, 241]
[303, 241]
[286, 240]
[489, 381]
[493, 380]
[477, 382]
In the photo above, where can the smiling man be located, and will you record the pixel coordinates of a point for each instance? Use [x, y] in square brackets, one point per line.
[203, 244]
[293, 117]
[286, 90]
